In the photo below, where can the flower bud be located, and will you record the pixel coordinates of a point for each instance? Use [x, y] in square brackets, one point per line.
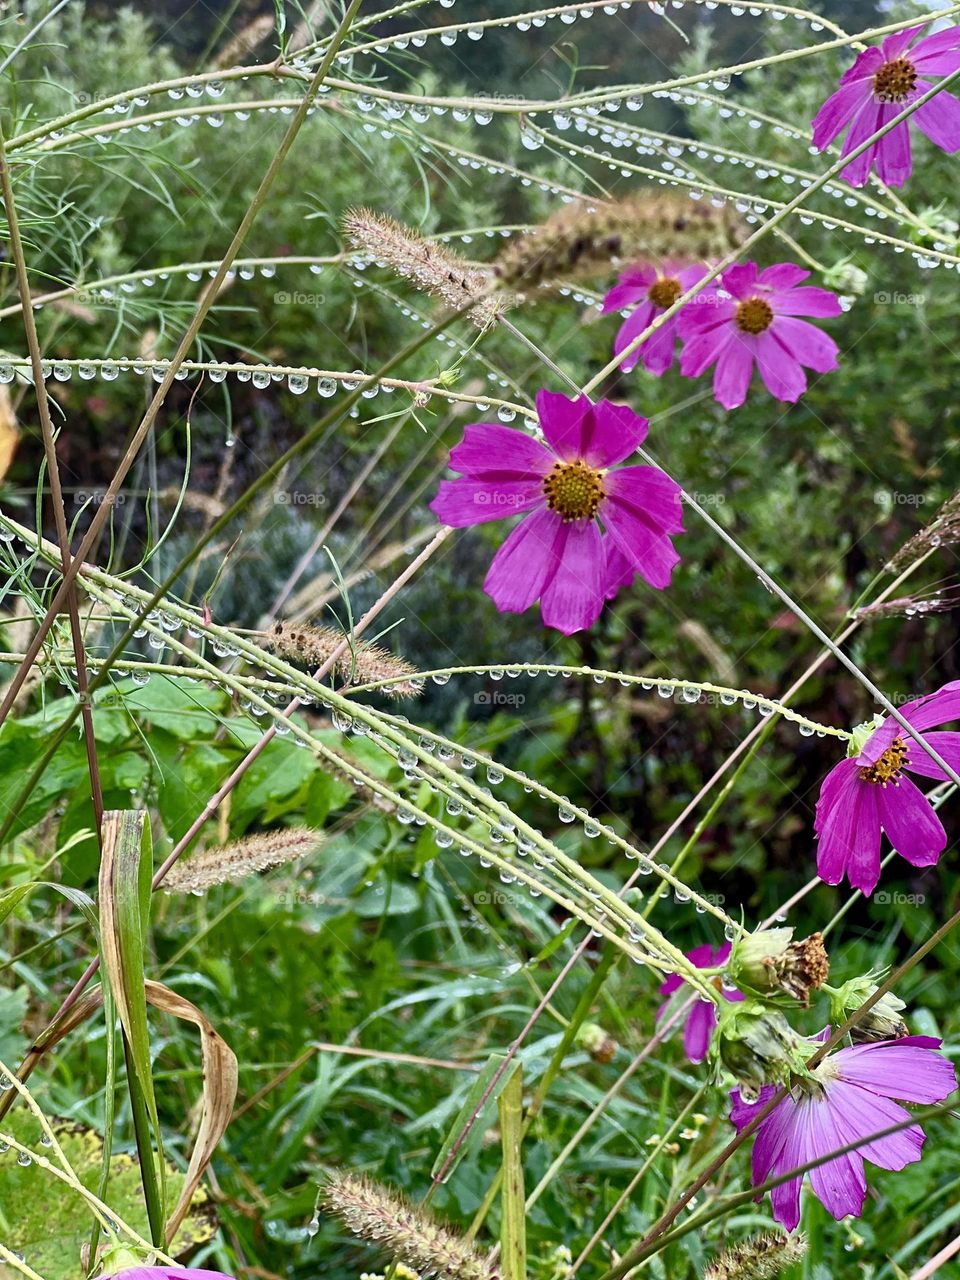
[598, 1043]
[881, 1022]
[757, 1044]
[769, 961]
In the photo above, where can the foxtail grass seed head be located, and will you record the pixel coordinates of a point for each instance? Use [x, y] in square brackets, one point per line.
[588, 238]
[430, 267]
[769, 961]
[362, 663]
[411, 1236]
[942, 531]
[762, 1257]
[247, 857]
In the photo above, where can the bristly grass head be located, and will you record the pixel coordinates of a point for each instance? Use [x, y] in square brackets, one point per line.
[362, 663]
[429, 266]
[590, 237]
[942, 531]
[411, 1236]
[247, 857]
[762, 1257]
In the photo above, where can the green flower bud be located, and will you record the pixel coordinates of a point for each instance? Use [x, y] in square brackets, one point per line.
[598, 1043]
[881, 1022]
[860, 733]
[757, 1044]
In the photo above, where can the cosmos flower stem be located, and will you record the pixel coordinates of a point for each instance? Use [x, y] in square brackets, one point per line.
[717, 270]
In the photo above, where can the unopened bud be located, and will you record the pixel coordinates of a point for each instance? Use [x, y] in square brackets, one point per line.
[881, 1022]
[756, 1044]
[598, 1043]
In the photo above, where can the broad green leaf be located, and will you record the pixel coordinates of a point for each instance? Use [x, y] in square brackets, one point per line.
[51, 1222]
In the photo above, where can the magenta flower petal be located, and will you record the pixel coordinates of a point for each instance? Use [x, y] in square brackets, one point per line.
[466, 502]
[780, 370]
[841, 1184]
[806, 343]
[807, 301]
[935, 46]
[731, 378]
[630, 289]
[911, 825]
[893, 156]
[835, 114]
[741, 279]
[567, 425]
[946, 745]
[573, 596]
[939, 119]
[865, 122]
[525, 562]
[859, 1115]
[174, 1273]
[639, 512]
[894, 45]
[699, 1030]
[904, 1069]
[632, 328]
[702, 1018]
[783, 275]
[706, 314]
[650, 495]
[702, 348]
[617, 432]
[848, 829]
[619, 571]
[491, 452]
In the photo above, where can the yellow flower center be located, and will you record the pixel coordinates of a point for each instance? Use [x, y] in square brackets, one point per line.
[754, 315]
[665, 291]
[887, 769]
[894, 80]
[573, 490]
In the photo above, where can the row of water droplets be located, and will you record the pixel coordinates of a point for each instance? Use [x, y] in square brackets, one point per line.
[327, 383]
[457, 756]
[566, 15]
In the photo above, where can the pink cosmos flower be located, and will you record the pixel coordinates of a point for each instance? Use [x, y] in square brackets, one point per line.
[876, 88]
[565, 487]
[848, 1098]
[869, 792]
[650, 292]
[702, 1018]
[169, 1273]
[754, 322]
